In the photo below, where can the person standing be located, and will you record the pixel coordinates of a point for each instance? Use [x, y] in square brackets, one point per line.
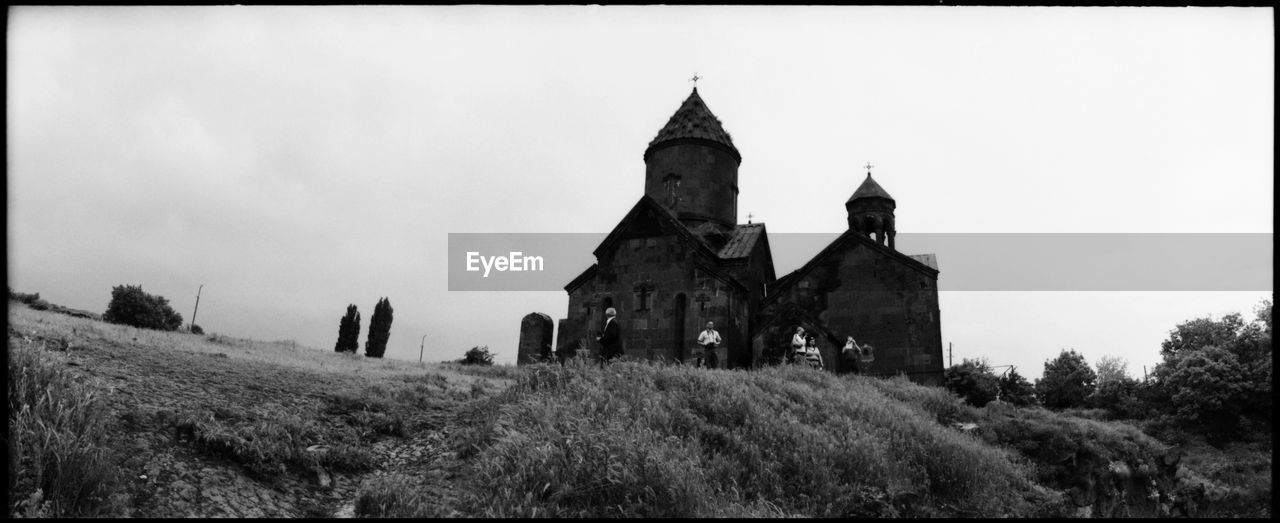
[849, 357]
[797, 346]
[610, 337]
[709, 340]
[812, 355]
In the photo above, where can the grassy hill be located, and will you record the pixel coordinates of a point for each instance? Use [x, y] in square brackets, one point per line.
[112, 420]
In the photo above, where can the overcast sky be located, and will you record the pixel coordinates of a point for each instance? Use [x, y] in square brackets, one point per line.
[297, 159]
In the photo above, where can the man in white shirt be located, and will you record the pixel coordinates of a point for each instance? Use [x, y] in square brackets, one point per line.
[708, 340]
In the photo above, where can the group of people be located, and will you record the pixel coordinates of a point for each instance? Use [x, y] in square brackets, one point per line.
[611, 343]
[804, 351]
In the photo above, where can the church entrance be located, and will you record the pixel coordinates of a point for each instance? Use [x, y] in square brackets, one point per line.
[681, 304]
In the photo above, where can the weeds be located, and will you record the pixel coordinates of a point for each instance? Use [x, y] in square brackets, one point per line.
[61, 462]
[268, 441]
[652, 440]
[395, 496]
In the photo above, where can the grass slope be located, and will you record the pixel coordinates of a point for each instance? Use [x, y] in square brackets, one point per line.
[168, 424]
[108, 420]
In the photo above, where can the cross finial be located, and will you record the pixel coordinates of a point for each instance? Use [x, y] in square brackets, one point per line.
[749, 215]
[695, 80]
[869, 166]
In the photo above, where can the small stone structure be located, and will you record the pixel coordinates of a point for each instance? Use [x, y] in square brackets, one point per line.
[535, 338]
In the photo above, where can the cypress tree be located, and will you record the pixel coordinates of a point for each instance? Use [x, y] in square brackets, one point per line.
[349, 331]
[379, 329]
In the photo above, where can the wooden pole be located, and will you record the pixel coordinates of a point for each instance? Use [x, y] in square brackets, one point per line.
[950, 362]
[197, 309]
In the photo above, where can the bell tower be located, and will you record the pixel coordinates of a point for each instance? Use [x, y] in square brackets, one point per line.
[871, 211]
[691, 167]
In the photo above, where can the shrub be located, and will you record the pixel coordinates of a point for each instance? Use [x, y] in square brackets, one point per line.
[973, 381]
[1119, 396]
[348, 331]
[1067, 381]
[478, 356]
[23, 297]
[195, 329]
[131, 306]
[1016, 390]
[60, 458]
[1208, 389]
[379, 330]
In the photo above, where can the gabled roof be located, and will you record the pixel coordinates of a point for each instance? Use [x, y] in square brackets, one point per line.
[693, 120]
[652, 206]
[720, 275]
[581, 278]
[869, 189]
[742, 241]
[790, 315]
[785, 282]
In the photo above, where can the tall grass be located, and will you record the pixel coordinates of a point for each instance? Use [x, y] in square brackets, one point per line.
[60, 461]
[650, 440]
[269, 441]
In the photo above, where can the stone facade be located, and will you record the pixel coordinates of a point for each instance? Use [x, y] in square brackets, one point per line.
[665, 284]
[857, 287]
[679, 259]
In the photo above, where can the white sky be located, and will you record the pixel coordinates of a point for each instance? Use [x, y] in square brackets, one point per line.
[297, 159]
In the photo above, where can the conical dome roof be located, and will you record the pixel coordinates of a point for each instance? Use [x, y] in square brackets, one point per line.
[693, 120]
[869, 189]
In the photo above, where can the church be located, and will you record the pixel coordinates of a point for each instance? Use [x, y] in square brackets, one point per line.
[679, 258]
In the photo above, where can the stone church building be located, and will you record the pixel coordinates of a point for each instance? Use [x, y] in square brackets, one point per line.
[679, 258]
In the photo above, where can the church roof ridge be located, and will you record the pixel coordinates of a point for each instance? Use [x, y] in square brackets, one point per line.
[693, 120]
[790, 278]
[869, 189]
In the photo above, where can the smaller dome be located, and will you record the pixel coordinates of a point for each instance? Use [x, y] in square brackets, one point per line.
[869, 189]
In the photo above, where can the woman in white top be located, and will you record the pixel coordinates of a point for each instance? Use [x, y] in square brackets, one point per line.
[797, 345]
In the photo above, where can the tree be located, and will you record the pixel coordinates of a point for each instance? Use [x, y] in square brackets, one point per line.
[379, 330]
[131, 306]
[1016, 390]
[349, 331]
[973, 381]
[1216, 374]
[1067, 382]
[1115, 390]
[1231, 333]
[1112, 368]
[478, 356]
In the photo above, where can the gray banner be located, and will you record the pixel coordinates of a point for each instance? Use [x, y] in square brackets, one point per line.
[967, 262]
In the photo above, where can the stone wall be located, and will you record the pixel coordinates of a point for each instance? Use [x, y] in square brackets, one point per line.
[862, 291]
[708, 188]
[663, 301]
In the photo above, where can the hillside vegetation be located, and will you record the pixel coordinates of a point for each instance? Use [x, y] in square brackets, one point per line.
[169, 424]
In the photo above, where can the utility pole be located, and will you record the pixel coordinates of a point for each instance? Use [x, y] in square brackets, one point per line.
[420, 347]
[950, 362]
[193, 313]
